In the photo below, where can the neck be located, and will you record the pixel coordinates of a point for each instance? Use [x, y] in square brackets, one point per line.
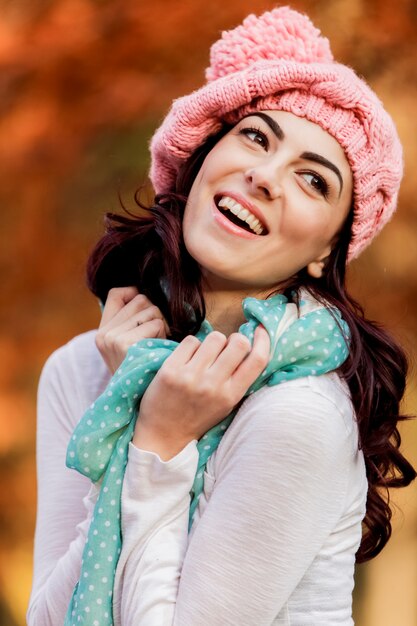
[224, 311]
[224, 305]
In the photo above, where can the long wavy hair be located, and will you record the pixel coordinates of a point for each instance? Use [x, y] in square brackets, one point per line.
[148, 251]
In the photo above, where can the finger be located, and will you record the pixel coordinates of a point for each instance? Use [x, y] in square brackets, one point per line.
[249, 370]
[209, 351]
[237, 349]
[111, 334]
[138, 303]
[183, 352]
[148, 314]
[117, 298]
[154, 329]
[119, 347]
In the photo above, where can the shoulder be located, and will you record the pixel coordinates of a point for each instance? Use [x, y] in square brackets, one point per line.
[319, 401]
[312, 415]
[293, 441]
[75, 373]
[80, 353]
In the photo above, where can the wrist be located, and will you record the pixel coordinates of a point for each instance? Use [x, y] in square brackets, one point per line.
[146, 438]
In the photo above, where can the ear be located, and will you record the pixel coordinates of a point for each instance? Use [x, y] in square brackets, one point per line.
[315, 268]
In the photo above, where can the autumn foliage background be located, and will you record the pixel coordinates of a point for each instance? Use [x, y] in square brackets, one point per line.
[83, 83]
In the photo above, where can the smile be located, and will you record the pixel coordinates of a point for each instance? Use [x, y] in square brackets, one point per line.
[240, 215]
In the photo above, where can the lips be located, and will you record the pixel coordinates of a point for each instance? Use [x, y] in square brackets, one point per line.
[241, 213]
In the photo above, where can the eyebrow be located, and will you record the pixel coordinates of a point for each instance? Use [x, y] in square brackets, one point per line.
[276, 128]
[309, 156]
[317, 158]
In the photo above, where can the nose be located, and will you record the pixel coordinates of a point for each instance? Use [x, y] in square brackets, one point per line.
[264, 180]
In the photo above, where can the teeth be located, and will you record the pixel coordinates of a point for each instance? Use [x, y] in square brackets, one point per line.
[243, 214]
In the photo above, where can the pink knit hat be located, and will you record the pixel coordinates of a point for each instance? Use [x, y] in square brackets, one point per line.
[280, 61]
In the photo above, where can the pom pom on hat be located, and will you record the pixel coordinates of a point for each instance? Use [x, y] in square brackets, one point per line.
[280, 61]
[279, 34]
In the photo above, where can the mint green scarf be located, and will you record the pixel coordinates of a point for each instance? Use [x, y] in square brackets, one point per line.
[310, 340]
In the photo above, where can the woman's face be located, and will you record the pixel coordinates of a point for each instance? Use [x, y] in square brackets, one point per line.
[269, 200]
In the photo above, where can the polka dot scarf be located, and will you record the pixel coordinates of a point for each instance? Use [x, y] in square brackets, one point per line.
[306, 341]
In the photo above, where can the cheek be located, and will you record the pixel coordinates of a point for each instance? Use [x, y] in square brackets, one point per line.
[188, 226]
[308, 226]
[193, 228]
[314, 223]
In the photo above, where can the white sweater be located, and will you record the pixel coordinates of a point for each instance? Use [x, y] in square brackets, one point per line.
[275, 532]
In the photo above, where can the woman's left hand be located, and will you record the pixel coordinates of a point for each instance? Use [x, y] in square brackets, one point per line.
[196, 387]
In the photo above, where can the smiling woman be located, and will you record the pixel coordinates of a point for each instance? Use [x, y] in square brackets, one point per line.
[267, 169]
[235, 412]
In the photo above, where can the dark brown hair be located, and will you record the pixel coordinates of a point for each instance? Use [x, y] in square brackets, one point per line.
[148, 251]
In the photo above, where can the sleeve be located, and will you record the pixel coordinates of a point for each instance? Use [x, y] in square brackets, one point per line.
[281, 476]
[65, 498]
[155, 510]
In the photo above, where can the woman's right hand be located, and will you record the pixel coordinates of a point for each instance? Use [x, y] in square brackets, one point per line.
[128, 316]
[196, 387]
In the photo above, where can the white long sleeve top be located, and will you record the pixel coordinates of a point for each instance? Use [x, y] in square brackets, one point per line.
[276, 529]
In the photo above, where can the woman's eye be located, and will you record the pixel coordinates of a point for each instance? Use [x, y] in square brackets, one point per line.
[256, 136]
[317, 183]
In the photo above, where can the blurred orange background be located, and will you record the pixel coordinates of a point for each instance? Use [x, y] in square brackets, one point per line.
[83, 83]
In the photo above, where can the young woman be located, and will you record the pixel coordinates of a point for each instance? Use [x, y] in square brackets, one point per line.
[267, 405]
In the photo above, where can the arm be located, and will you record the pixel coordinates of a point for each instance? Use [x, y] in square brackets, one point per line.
[281, 474]
[65, 501]
[155, 511]
[72, 378]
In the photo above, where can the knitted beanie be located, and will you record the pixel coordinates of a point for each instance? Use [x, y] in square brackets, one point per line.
[280, 61]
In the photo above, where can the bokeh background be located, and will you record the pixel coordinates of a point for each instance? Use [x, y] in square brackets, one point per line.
[83, 83]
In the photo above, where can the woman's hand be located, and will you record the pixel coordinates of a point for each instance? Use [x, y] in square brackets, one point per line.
[196, 387]
[128, 316]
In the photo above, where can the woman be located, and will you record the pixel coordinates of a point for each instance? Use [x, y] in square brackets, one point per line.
[268, 179]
